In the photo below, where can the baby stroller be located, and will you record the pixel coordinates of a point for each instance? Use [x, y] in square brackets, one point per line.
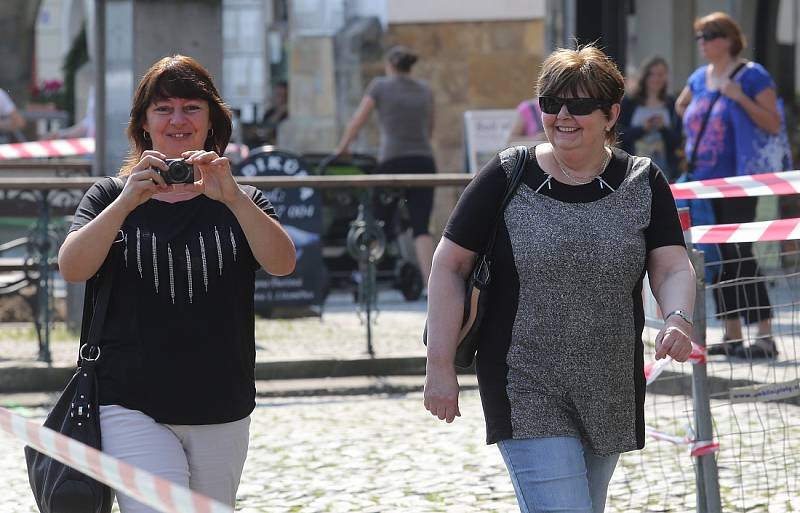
[397, 266]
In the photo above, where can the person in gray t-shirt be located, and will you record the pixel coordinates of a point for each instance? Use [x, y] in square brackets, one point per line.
[405, 115]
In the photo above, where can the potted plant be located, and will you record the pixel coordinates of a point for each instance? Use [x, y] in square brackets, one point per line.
[47, 96]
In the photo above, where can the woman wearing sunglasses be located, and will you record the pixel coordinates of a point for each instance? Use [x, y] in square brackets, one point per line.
[722, 104]
[560, 361]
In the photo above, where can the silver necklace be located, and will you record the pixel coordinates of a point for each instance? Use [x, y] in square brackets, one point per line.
[580, 181]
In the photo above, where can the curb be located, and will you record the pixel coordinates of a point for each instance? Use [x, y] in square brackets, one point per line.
[33, 377]
[274, 390]
[39, 377]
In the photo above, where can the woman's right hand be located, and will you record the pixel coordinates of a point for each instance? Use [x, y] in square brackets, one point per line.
[342, 152]
[441, 392]
[143, 181]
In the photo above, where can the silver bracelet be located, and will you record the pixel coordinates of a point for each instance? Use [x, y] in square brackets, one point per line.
[681, 314]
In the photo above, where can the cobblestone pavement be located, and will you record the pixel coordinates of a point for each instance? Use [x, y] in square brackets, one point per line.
[373, 454]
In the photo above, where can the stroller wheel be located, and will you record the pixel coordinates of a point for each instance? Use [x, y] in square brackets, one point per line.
[409, 281]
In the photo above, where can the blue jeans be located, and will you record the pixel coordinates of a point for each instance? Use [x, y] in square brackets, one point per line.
[557, 474]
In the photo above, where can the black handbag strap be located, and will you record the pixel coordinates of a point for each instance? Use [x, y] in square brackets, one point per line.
[513, 182]
[103, 295]
[707, 115]
[97, 296]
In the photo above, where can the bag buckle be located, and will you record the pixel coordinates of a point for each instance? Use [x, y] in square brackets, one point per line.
[92, 353]
[80, 410]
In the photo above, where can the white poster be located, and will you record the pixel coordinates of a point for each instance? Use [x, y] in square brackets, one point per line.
[485, 133]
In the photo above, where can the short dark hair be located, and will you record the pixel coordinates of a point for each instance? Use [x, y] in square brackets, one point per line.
[722, 23]
[401, 58]
[178, 76]
[586, 68]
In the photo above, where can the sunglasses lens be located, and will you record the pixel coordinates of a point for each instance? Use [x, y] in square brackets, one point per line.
[550, 104]
[707, 36]
[581, 106]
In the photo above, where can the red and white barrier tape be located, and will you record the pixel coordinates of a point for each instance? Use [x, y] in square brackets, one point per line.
[142, 486]
[653, 370]
[766, 184]
[761, 231]
[42, 149]
[696, 447]
[72, 148]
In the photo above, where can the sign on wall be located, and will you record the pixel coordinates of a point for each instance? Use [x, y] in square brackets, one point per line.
[485, 133]
[300, 212]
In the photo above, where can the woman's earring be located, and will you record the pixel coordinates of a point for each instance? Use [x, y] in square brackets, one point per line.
[145, 135]
[211, 132]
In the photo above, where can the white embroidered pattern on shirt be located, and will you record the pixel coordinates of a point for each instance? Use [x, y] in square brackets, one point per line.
[155, 262]
[171, 274]
[125, 253]
[139, 251]
[203, 259]
[233, 243]
[141, 238]
[189, 272]
[219, 249]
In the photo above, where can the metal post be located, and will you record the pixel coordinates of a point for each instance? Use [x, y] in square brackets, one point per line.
[706, 476]
[370, 280]
[44, 279]
[366, 242]
[99, 162]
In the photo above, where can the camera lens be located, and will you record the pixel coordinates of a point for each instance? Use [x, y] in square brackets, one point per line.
[179, 172]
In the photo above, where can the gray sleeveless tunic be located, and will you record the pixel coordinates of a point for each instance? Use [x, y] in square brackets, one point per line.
[571, 360]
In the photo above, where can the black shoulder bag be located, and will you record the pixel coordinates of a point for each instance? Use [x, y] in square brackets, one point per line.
[59, 488]
[476, 297]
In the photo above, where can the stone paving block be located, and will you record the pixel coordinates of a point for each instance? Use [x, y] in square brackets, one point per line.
[385, 453]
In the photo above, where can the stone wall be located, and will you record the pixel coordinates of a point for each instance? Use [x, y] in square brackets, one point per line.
[474, 65]
[469, 65]
[311, 126]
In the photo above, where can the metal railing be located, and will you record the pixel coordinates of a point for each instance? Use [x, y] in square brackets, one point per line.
[40, 192]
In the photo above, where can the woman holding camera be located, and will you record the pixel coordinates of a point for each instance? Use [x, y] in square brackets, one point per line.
[176, 375]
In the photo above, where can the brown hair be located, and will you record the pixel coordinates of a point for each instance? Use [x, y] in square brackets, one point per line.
[178, 76]
[640, 94]
[721, 23]
[401, 58]
[586, 68]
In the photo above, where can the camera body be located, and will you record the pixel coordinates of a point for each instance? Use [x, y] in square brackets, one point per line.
[178, 171]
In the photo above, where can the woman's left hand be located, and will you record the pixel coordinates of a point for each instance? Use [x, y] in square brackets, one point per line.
[674, 340]
[733, 90]
[216, 180]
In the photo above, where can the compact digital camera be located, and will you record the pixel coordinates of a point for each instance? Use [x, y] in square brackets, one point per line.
[177, 172]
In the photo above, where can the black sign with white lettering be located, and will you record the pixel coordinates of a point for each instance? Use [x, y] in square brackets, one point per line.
[300, 212]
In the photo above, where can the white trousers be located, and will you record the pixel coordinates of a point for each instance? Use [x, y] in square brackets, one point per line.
[207, 459]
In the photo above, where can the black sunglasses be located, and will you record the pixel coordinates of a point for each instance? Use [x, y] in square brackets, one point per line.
[708, 36]
[575, 106]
